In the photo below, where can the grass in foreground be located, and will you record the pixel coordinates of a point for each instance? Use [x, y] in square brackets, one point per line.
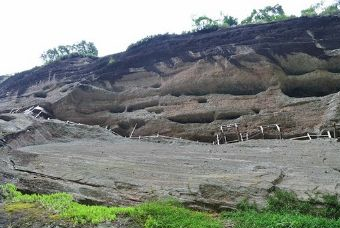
[283, 210]
[149, 215]
[254, 219]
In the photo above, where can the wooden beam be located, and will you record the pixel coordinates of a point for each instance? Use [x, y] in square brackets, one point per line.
[329, 134]
[133, 130]
[308, 135]
[262, 131]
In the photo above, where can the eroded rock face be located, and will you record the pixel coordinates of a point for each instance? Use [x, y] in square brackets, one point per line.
[96, 166]
[3, 78]
[285, 73]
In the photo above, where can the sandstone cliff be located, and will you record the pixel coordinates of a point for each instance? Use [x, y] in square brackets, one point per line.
[286, 73]
[187, 85]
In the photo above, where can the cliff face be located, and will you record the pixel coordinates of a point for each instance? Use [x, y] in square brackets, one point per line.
[96, 166]
[3, 78]
[286, 73]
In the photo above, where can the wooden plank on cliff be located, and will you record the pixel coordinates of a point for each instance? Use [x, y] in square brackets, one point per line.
[133, 130]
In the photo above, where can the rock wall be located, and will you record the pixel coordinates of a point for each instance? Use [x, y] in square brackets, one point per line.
[98, 167]
[187, 85]
[3, 78]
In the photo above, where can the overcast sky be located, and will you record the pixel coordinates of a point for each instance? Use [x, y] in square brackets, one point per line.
[28, 28]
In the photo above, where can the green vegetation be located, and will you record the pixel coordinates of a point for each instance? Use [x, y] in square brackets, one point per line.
[63, 204]
[283, 210]
[333, 9]
[326, 206]
[311, 11]
[253, 219]
[267, 14]
[229, 21]
[82, 48]
[319, 9]
[172, 215]
[204, 23]
[166, 214]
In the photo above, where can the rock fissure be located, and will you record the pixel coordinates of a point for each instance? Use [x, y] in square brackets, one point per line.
[277, 181]
[336, 169]
[57, 178]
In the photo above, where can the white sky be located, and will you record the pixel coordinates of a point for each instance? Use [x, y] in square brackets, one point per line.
[28, 28]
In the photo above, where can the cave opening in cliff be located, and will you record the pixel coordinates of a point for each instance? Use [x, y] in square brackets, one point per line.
[311, 89]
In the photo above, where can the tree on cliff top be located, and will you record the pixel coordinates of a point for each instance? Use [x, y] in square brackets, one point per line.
[312, 10]
[82, 48]
[321, 10]
[229, 21]
[333, 9]
[265, 15]
[206, 23]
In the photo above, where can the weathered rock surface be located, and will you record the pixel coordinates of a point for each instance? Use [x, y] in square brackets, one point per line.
[285, 73]
[3, 78]
[99, 167]
[187, 85]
